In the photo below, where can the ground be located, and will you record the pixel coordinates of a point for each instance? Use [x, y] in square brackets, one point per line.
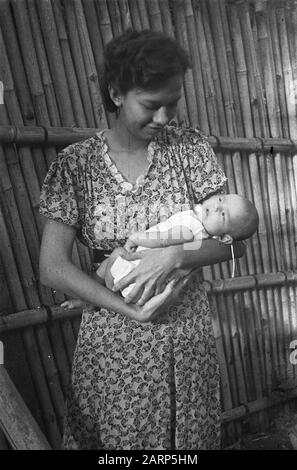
[281, 435]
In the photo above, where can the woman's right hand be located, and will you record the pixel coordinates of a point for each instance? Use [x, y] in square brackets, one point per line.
[156, 305]
[109, 279]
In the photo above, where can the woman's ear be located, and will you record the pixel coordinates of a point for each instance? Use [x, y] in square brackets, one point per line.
[226, 239]
[115, 95]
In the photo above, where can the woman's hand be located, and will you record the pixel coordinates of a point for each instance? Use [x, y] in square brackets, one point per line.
[150, 275]
[159, 303]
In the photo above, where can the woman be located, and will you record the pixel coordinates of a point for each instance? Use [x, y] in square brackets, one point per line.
[145, 372]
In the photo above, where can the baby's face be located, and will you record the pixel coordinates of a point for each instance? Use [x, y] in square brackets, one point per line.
[220, 213]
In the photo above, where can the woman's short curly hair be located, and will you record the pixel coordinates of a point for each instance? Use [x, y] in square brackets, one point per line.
[142, 59]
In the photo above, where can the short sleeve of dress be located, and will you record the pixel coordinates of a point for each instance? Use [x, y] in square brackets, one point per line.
[60, 195]
[206, 174]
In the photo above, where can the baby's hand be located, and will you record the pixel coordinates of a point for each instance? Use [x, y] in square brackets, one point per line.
[101, 270]
[131, 244]
[73, 303]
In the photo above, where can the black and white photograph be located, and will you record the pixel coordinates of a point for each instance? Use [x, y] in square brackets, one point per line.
[148, 230]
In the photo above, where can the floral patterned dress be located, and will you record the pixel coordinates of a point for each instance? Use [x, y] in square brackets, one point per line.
[139, 385]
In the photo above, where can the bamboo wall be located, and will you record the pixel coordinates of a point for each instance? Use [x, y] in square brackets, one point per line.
[241, 90]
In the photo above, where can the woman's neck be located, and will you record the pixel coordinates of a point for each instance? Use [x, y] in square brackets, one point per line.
[124, 140]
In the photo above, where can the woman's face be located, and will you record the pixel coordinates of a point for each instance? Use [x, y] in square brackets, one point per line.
[144, 112]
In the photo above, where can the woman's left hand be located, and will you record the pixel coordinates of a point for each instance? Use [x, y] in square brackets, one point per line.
[151, 274]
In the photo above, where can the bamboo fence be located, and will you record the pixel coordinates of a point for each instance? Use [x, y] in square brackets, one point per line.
[241, 92]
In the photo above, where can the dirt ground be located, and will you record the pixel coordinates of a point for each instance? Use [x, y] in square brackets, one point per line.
[281, 435]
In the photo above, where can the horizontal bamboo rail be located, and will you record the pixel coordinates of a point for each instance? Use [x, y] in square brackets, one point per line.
[19, 426]
[44, 314]
[41, 135]
[274, 399]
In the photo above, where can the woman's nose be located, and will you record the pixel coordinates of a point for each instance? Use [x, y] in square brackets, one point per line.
[161, 116]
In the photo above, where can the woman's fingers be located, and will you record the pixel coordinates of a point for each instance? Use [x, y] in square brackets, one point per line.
[147, 293]
[134, 295]
[126, 281]
[158, 300]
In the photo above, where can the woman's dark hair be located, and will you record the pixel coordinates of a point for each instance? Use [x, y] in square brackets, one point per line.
[142, 59]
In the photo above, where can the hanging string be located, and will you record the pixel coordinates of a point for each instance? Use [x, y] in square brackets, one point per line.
[233, 260]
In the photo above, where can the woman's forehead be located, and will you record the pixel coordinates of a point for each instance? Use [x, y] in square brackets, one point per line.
[171, 88]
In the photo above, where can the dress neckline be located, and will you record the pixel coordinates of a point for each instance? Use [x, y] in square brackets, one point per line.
[118, 175]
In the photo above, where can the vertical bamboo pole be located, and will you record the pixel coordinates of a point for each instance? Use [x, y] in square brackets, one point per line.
[154, 14]
[224, 374]
[207, 78]
[115, 16]
[16, 65]
[276, 55]
[96, 41]
[258, 110]
[3, 442]
[48, 27]
[214, 68]
[46, 78]
[196, 66]
[143, 14]
[240, 69]
[287, 71]
[104, 21]
[231, 66]
[77, 55]
[181, 33]
[5, 299]
[125, 14]
[28, 334]
[75, 96]
[268, 73]
[223, 69]
[90, 67]
[166, 17]
[182, 111]
[135, 17]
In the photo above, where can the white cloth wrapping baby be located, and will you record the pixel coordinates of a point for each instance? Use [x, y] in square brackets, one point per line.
[188, 219]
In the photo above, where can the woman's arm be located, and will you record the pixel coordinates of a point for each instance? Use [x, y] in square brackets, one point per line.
[209, 252]
[155, 267]
[58, 271]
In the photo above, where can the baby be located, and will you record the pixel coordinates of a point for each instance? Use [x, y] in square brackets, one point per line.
[226, 217]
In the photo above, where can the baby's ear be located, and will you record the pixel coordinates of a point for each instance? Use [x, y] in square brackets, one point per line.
[226, 239]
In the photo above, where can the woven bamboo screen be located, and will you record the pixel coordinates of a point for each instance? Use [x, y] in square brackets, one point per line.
[241, 90]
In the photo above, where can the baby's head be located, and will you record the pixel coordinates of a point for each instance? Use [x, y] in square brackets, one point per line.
[230, 217]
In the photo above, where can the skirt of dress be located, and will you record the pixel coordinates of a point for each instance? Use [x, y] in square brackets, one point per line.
[152, 386]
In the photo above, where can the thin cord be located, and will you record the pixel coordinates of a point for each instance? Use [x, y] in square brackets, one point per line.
[233, 260]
